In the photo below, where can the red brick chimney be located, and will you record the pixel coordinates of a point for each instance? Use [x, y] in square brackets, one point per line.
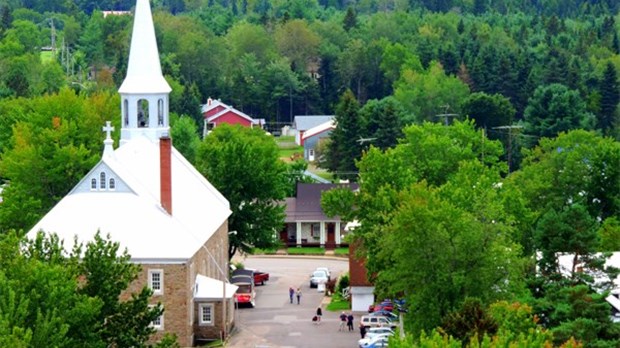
[165, 173]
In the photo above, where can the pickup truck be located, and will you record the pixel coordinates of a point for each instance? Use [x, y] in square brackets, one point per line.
[260, 277]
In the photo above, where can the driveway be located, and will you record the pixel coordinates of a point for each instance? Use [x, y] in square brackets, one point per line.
[275, 322]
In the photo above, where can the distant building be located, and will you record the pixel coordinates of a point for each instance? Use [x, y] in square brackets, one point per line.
[306, 224]
[215, 113]
[311, 138]
[302, 123]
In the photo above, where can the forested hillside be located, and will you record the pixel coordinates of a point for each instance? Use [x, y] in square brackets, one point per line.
[276, 59]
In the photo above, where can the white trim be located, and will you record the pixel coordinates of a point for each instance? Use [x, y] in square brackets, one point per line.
[211, 314]
[153, 272]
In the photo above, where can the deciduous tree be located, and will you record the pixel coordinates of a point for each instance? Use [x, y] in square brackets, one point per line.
[244, 165]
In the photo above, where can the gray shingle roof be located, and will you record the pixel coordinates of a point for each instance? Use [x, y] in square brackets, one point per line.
[302, 123]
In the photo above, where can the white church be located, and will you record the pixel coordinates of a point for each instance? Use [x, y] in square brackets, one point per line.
[151, 200]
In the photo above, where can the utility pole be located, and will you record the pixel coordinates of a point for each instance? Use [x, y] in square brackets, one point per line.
[446, 115]
[509, 150]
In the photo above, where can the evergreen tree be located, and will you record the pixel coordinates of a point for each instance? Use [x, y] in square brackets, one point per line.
[350, 19]
[610, 97]
[344, 148]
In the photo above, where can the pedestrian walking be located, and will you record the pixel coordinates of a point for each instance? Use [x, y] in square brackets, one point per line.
[291, 293]
[362, 330]
[350, 322]
[343, 321]
[298, 295]
[319, 313]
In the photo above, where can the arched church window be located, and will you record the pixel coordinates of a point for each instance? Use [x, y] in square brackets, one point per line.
[126, 112]
[160, 112]
[93, 184]
[143, 113]
[102, 180]
[112, 184]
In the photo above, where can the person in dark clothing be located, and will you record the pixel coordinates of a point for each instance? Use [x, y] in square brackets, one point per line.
[291, 293]
[362, 330]
[350, 322]
[343, 321]
[319, 313]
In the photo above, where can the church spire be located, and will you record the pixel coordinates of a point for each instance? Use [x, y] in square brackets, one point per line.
[144, 92]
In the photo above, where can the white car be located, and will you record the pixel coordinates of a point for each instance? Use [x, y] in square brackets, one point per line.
[318, 277]
[329, 275]
[374, 331]
[380, 340]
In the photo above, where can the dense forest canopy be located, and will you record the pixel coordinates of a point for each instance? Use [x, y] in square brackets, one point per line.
[277, 59]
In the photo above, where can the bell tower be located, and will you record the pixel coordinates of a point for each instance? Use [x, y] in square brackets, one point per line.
[144, 92]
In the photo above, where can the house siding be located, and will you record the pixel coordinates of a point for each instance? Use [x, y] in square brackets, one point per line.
[231, 118]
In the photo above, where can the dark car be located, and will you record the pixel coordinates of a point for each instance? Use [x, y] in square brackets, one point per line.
[384, 313]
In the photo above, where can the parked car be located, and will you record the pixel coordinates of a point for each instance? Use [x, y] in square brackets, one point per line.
[380, 340]
[329, 275]
[374, 331]
[391, 316]
[318, 277]
[384, 305]
[377, 321]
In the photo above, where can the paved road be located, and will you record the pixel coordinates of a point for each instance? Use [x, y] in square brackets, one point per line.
[275, 322]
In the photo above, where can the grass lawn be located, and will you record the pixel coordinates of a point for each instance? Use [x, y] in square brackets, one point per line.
[341, 251]
[287, 153]
[338, 304]
[306, 251]
[46, 56]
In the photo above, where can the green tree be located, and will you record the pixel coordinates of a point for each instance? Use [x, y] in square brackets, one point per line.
[244, 165]
[383, 122]
[53, 146]
[555, 108]
[489, 110]
[609, 234]
[184, 133]
[77, 295]
[296, 41]
[344, 148]
[429, 93]
[610, 97]
[350, 19]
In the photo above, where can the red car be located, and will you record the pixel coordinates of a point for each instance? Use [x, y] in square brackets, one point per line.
[386, 305]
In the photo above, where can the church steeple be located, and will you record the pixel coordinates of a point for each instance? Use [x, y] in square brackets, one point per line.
[144, 92]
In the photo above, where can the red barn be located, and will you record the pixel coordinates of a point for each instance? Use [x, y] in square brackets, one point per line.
[215, 112]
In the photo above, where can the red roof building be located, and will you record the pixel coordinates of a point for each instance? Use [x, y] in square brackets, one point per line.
[215, 113]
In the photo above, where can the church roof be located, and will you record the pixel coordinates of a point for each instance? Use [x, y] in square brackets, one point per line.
[144, 70]
[134, 217]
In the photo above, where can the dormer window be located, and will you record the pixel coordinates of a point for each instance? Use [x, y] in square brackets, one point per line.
[112, 184]
[93, 184]
[102, 180]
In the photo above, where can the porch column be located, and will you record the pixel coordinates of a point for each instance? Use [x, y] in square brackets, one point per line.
[337, 232]
[322, 240]
[298, 233]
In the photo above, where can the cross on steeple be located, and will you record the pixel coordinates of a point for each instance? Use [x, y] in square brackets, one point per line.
[108, 129]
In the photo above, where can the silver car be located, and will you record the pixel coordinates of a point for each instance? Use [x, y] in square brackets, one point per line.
[318, 277]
